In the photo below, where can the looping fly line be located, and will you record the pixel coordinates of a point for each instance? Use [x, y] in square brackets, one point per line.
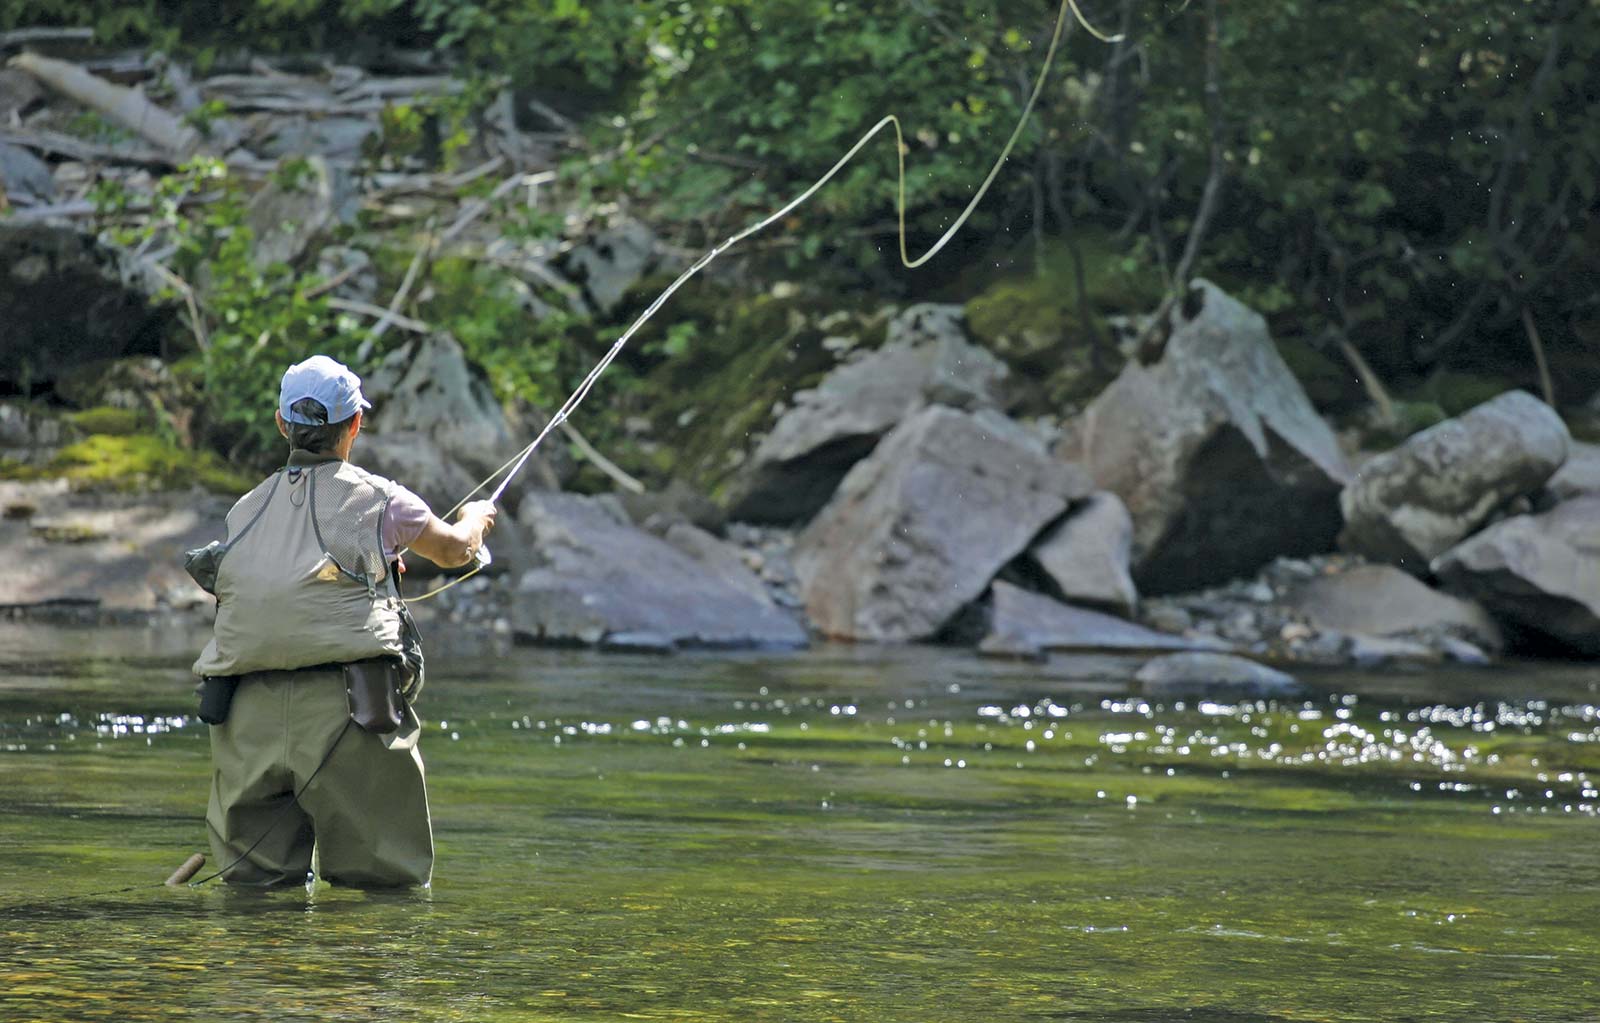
[514, 465]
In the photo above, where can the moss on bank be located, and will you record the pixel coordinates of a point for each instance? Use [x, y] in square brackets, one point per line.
[133, 462]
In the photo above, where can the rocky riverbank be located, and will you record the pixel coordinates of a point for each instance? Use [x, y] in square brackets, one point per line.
[813, 470]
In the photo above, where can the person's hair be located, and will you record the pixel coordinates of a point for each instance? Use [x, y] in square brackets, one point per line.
[320, 439]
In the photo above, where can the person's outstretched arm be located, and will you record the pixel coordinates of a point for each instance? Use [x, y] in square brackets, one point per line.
[450, 545]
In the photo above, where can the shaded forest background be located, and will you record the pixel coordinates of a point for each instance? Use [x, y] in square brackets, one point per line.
[1407, 190]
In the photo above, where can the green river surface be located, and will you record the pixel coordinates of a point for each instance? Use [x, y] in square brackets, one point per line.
[841, 834]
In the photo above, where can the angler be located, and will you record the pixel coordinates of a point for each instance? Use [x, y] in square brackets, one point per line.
[309, 678]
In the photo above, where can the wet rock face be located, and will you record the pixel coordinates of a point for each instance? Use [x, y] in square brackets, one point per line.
[1216, 451]
[1540, 574]
[926, 360]
[63, 303]
[1378, 600]
[1410, 505]
[598, 580]
[919, 528]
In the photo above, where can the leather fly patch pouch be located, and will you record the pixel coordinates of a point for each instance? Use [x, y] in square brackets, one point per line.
[373, 688]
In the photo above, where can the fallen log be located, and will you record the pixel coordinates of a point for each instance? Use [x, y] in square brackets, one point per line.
[127, 107]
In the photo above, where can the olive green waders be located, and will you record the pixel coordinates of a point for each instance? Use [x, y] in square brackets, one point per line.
[365, 813]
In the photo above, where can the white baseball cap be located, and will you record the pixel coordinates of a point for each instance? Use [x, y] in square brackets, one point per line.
[328, 381]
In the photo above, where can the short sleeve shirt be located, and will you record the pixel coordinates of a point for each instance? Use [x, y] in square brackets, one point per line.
[403, 522]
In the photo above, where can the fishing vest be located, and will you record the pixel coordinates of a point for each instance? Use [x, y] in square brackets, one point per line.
[301, 579]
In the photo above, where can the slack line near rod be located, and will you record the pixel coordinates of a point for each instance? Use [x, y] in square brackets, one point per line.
[514, 465]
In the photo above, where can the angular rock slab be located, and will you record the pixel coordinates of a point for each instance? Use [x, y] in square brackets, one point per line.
[120, 552]
[1538, 573]
[1087, 554]
[1196, 675]
[1379, 600]
[927, 360]
[918, 529]
[1216, 450]
[598, 580]
[1410, 505]
[1024, 624]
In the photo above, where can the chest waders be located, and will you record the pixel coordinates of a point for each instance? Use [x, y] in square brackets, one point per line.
[304, 595]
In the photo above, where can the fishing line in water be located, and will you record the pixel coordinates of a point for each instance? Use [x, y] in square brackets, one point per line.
[514, 464]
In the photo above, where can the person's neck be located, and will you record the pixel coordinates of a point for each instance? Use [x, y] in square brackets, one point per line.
[300, 456]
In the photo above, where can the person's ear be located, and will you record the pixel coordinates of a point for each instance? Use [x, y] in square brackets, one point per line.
[355, 426]
[283, 428]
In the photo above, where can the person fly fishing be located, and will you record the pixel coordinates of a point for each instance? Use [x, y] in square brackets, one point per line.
[309, 677]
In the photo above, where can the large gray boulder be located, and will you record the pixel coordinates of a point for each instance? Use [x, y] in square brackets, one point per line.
[1538, 573]
[598, 580]
[1216, 451]
[1380, 600]
[1409, 505]
[1023, 624]
[1086, 555]
[926, 360]
[919, 528]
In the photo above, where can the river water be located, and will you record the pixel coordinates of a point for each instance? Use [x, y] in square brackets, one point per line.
[845, 834]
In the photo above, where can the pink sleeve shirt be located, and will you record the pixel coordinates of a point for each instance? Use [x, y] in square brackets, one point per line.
[403, 522]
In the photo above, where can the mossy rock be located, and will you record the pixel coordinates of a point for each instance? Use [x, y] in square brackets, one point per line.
[140, 462]
[108, 420]
[1029, 319]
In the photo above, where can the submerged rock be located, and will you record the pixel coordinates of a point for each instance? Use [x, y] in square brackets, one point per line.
[1194, 675]
[1381, 601]
[1538, 573]
[927, 360]
[1410, 505]
[918, 529]
[1216, 451]
[1086, 555]
[598, 580]
[1023, 624]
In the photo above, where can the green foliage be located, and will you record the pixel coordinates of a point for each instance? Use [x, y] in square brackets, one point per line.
[254, 321]
[503, 327]
[1410, 417]
[1455, 393]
